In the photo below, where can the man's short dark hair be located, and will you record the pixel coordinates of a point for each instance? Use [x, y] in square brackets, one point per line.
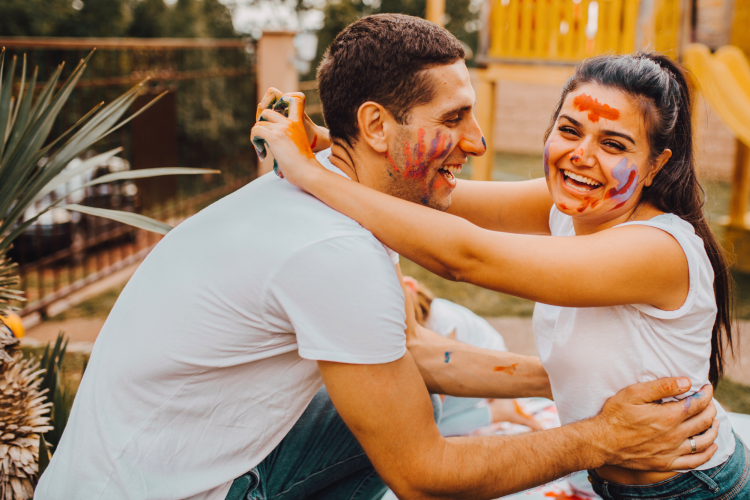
[381, 58]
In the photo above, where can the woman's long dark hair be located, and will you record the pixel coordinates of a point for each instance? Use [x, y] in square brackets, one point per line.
[660, 87]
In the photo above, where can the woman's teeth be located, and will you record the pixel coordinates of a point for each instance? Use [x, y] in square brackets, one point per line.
[580, 179]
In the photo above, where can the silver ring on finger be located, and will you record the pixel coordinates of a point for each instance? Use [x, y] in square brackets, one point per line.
[693, 448]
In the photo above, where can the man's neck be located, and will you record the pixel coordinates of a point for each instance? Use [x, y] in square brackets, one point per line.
[342, 158]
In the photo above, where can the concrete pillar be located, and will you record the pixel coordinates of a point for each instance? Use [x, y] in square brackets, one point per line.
[276, 68]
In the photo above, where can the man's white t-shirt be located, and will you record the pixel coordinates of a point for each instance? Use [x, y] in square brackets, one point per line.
[209, 355]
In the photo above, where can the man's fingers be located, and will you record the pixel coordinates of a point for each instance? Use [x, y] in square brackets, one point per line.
[696, 460]
[702, 441]
[271, 96]
[656, 390]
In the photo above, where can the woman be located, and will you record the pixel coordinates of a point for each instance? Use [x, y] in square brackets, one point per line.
[632, 287]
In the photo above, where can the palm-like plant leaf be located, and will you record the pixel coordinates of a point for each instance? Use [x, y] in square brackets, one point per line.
[25, 125]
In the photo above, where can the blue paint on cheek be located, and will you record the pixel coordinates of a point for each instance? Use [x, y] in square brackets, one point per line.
[546, 160]
[484, 143]
[627, 181]
[448, 356]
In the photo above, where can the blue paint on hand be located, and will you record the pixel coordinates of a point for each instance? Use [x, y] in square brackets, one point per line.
[448, 356]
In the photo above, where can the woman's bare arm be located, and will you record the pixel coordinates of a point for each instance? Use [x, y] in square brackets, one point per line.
[512, 207]
[627, 265]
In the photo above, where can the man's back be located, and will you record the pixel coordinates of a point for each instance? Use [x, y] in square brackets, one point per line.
[208, 357]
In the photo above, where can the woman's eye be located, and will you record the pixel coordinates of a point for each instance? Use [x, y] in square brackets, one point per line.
[568, 130]
[616, 145]
[454, 121]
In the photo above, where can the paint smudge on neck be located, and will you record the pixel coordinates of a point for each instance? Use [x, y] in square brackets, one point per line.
[510, 370]
[448, 356]
[546, 160]
[585, 102]
[627, 180]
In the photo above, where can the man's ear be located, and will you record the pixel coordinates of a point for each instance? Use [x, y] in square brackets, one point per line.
[660, 161]
[374, 122]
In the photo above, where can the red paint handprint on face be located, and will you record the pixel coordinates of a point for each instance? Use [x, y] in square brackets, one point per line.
[417, 158]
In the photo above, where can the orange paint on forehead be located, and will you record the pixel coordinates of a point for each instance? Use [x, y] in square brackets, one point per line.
[585, 102]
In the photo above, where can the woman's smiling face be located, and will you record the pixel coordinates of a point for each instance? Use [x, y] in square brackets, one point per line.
[597, 157]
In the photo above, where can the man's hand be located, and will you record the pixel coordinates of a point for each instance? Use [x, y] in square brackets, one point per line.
[647, 436]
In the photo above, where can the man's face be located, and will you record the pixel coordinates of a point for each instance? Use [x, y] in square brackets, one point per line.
[435, 143]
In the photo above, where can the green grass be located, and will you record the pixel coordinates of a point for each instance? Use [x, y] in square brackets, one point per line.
[733, 396]
[97, 306]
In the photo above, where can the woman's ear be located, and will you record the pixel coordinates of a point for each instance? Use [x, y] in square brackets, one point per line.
[659, 162]
[373, 121]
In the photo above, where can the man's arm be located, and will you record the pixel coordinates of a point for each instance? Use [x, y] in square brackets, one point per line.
[457, 369]
[387, 408]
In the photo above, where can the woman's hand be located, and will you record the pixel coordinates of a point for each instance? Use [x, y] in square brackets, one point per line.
[286, 137]
[317, 136]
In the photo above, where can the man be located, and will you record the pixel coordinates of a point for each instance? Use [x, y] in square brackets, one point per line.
[204, 381]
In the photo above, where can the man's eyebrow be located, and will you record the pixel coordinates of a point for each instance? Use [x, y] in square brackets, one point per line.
[454, 111]
[606, 132]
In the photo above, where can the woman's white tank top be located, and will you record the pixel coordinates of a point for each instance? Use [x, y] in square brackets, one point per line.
[590, 353]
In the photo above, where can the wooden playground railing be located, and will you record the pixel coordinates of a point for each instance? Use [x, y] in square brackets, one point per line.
[570, 30]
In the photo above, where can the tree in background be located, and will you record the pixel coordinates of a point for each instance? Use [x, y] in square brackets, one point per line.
[462, 19]
[116, 18]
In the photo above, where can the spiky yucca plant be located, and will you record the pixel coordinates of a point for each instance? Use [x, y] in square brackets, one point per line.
[26, 121]
[23, 420]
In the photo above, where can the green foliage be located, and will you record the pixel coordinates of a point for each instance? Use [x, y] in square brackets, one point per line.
[462, 17]
[61, 396]
[60, 18]
[116, 18]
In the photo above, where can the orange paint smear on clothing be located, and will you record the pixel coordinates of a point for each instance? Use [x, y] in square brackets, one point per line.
[510, 370]
[596, 109]
[562, 496]
[520, 411]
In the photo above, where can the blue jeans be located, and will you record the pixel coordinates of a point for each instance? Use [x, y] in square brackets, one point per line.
[318, 459]
[728, 481]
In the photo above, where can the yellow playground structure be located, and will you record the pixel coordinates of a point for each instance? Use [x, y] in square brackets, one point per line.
[723, 78]
[540, 41]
